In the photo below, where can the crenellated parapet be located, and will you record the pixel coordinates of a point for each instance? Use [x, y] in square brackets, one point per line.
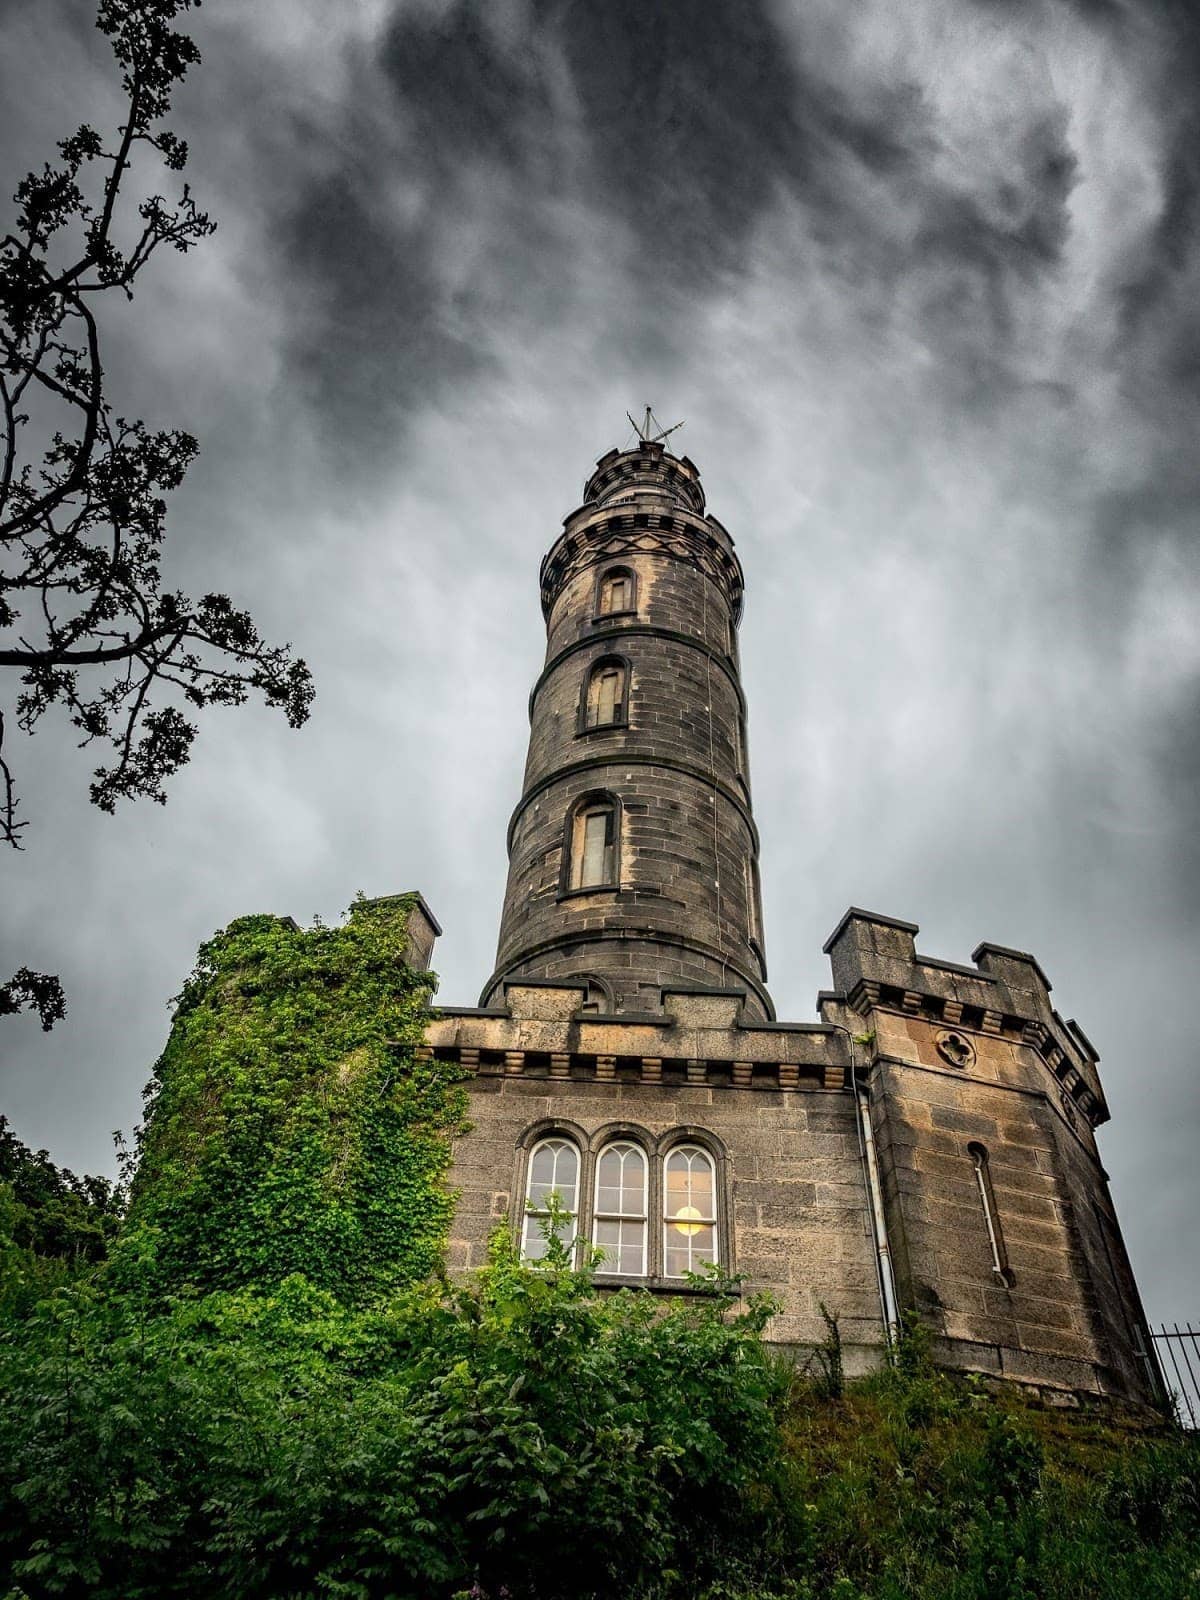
[1005, 995]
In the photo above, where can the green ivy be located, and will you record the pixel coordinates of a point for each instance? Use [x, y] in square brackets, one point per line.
[290, 1126]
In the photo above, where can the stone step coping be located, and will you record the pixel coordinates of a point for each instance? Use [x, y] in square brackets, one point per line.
[700, 1023]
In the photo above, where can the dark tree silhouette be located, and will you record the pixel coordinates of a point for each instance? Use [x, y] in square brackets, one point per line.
[84, 621]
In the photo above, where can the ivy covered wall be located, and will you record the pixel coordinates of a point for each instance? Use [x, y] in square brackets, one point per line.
[289, 1127]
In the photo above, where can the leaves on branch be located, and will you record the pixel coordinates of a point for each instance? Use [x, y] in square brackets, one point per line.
[83, 617]
[84, 620]
[34, 991]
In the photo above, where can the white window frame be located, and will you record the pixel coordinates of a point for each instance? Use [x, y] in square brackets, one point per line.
[691, 1148]
[533, 1217]
[639, 1219]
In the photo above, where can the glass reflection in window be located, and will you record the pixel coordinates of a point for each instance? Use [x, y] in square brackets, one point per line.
[690, 1214]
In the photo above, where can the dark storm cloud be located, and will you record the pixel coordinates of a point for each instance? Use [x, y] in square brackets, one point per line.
[924, 281]
[371, 339]
[683, 126]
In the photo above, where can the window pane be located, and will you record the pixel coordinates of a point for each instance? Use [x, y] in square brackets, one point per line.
[690, 1189]
[606, 708]
[688, 1247]
[553, 1171]
[624, 1246]
[595, 855]
[621, 1182]
[689, 1233]
[554, 1168]
[533, 1246]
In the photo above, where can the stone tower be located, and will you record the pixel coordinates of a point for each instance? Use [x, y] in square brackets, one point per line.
[927, 1145]
[633, 856]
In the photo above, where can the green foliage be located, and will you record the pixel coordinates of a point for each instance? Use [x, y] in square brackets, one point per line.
[290, 1127]
[522, 1435]
[268, 1389]
[920, 1485]
[525, 1437]
[52, 1223]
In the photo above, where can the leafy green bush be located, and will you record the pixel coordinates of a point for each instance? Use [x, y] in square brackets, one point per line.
[269, 1390]
[523, 1435]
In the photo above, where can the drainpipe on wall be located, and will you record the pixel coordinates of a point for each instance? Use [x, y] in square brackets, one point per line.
[883, 1255]
[870, 1165]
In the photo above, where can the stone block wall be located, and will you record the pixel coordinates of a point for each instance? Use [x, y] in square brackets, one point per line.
[968, 1060]
[684, 903]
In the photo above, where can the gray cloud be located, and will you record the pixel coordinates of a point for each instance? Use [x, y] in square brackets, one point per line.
[923, 281]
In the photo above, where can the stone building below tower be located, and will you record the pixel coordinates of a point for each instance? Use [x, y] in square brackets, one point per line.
[928, 1144]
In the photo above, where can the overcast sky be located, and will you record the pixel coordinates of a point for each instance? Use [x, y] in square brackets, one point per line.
[921, 279]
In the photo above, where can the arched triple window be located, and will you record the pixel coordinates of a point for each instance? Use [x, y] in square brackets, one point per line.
[553, 1172]
[689, 1211]
[616, 592]
[605, 699]
[610, 1193]
[621, 1207]
[592, 844]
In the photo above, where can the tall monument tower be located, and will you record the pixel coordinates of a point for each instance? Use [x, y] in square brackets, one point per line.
[928, 1145]
[633, 856]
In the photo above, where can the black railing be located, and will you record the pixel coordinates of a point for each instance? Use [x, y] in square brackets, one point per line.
[1178, 1352]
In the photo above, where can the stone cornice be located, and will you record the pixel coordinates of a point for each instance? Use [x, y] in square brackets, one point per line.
[595, 533]
[867, 996]
[698, 1040]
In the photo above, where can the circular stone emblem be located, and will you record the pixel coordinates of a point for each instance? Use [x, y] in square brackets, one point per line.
[955, 1048]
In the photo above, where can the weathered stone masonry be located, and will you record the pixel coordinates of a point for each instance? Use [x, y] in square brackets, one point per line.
[929, 1144]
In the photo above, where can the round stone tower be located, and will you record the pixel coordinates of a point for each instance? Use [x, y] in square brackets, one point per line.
[633, 855]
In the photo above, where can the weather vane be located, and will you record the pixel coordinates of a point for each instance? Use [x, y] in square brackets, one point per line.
[645, 429]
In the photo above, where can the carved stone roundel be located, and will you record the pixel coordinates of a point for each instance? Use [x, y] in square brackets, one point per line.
[955, 1048]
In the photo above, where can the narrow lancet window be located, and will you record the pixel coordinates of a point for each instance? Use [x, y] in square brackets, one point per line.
[553, 1183]
[690, 1211]
[593, 845]
[615, 592]
[991, 1216]
[605, 698]
[620, 1213]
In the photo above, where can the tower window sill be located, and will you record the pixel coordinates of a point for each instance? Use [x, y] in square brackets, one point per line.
[602, 727]
[614, 616]
[592, 888]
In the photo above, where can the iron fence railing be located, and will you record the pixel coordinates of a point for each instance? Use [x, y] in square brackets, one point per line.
[1178, 1352]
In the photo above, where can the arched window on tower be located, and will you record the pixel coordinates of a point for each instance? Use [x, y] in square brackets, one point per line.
[620, 1213]
[605, 700]
[553, 1179]
[593, 843]
[689, 1211]
[616, 592]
